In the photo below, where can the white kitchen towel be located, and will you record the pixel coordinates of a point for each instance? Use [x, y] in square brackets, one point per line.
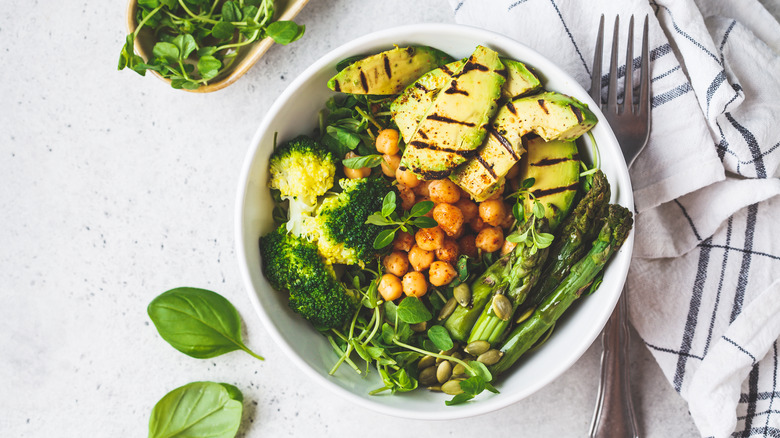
[704, 283]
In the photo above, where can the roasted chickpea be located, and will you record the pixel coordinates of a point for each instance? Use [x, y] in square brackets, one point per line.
[469, 208]
[420, 259]
[441, 273]
[422, 189]
[387, 142]
[477, 224]
[449, 218]
[390, 287]
[362, 172]
[390, 164]
[490, 239]
[448, 252]
[396, 263]
[467, 245]
[407, 197]
[403, 241]
[414, 284]
[509, 219]
[507, 247]
[444, 190]
[406, 177]
[429, 239]
[492, 212]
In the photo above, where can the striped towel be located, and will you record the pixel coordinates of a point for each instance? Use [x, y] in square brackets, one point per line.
[704, 286]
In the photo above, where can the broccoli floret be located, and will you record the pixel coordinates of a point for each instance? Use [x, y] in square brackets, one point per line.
[292, 264]
[302, 169]
[343, 236]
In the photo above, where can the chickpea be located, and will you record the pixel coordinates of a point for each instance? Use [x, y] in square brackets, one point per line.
[420, 259]
[390, 287]
[362, 172]
[387, 142]
[477, 224]
[407, 196]
[403, 241]
[507, 247]
[444, 190]
[422, 189]
[449, 217]
[448, 251]
[441, 273]
[469, 208]
[406, 177]
[414, 284]
[467, 245]
[429, 239]
[492, 212]
[509, 219]
[390, 164]
[396, 263]
[490, 239]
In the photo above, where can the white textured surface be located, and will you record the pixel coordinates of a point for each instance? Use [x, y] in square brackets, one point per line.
[114, 188]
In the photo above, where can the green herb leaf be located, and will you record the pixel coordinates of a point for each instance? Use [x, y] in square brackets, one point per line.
[364, 161]
[388, 333]
[390, 310]
[285, 32]
[528, 183]
[459, 399]
[440, 337]
[388, 204]
[167, 51]
[231, 11]
[223, 30]
[421, 208]
[378, 219]
[413, 311]
[208, 67]
[198, 322]
[518, 212]
[384, 238]
[543, 240]
[346, 62]
[201, 408]
[538, 210]
[186, 45]
[425, 222]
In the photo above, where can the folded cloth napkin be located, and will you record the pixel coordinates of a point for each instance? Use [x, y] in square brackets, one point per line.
[704, 285]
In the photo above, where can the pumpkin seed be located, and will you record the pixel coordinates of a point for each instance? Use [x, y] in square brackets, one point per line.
[490, 357]
[452, 387]
[444, 371]
[462, 294]
[448, 308]
[477, 347]
[458, 369]
[527, 314]
[502, 307]
[425, 362]
[419, 327]
[428, 376]
[444, 353]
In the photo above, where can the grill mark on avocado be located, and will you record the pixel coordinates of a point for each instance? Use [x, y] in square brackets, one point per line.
[503, 73]
[364, 81]
[577, 112]
[511, 108]
[420, 86]
[388, 70]
[423, 134]
[555, 190]
[550, 161]
[487, 167]
[423, 145]
[454, 89]
[445, 69]
[336, 86]
[503, 141]
[443, 119]
[543, 105]
[473, 66]
[432, 174]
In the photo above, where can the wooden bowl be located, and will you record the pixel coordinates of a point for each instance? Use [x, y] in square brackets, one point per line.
[247, 57]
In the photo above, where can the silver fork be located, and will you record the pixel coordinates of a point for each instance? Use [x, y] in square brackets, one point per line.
[614, 414]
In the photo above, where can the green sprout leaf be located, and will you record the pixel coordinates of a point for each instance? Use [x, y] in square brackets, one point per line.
[413, 311]
[364, 161]
[285, 32]
[440, 337]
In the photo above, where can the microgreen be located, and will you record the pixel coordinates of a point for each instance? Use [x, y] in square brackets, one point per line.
[365, 161]
[388, 217]
[197, 41]
[528, 235]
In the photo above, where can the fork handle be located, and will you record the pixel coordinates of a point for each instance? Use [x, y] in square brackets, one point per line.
[614, 415]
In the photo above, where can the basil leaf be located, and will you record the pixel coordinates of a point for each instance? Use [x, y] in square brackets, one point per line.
[285, 32]
[413, 311]
[440, 337]
[198, 322]
[199, 408]
[421, 208]
[364, 161]
[425, 222]
[384, 238]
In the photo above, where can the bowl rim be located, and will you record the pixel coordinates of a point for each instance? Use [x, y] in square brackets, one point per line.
[409, 32]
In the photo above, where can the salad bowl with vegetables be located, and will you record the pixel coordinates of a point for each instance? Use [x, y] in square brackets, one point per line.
[433, 222]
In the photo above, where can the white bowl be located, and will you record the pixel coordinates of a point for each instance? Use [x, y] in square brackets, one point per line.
[294, 113]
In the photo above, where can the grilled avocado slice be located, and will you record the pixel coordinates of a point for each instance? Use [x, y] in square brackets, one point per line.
[552, 116]
[388, 72]
[519, 79]
[456, 121]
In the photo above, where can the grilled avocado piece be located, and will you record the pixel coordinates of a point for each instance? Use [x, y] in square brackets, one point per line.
[550, 115]
[519, 79]
[388, 72]
[456, 121]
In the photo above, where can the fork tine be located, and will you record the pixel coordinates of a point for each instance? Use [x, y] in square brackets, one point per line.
[612, 90]
[628, 96]
[595, 81]
[644, 84]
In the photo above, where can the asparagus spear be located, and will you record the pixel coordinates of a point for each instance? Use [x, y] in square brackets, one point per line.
[579, 228]
[524, 267]
[613, 233]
